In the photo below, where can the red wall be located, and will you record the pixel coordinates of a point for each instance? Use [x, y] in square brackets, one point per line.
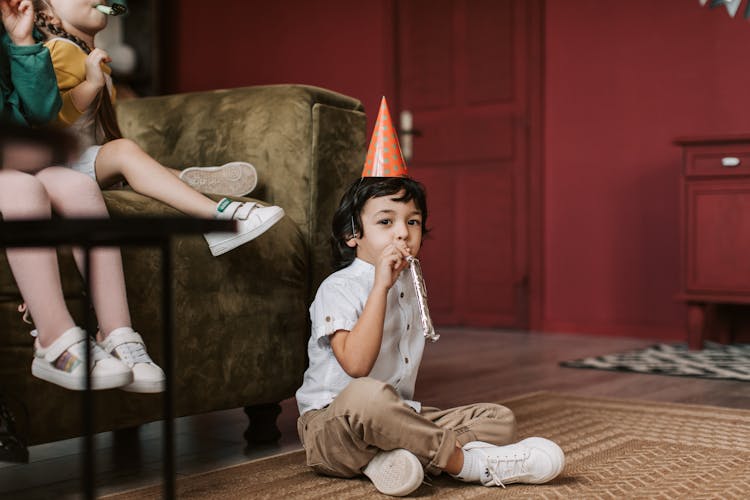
[622, 79]
[341, 45]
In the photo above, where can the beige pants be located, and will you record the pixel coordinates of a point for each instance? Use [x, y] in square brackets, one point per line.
[369, 416]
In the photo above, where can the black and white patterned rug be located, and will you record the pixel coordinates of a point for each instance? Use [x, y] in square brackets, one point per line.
[717, 361]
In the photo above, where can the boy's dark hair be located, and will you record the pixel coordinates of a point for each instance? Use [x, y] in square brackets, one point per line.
[347, 221]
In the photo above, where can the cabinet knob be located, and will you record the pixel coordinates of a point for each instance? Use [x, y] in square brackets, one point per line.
[730, 161]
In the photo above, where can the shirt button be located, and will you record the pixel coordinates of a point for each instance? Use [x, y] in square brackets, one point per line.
[402, 295]
[407, 326]
[406, 360]
[328, 318]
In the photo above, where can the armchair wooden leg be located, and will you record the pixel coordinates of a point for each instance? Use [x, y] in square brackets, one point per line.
[696, 325]
[262, 428]
[126, 446]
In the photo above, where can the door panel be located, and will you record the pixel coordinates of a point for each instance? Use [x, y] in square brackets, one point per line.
[469, 135]
[489, 51]
[462, 74]
[487, 265]
[441, 284]
[426, 53]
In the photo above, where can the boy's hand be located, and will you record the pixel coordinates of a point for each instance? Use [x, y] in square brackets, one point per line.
[18, 19]
[94, 71]
[392, 261]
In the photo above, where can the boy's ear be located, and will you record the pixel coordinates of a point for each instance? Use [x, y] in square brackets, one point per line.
[352, 242]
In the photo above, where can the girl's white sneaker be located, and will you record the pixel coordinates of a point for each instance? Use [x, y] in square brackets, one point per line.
[64, 363]
[127, 346]
[252, 219]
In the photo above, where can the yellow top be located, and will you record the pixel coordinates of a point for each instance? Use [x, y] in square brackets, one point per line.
[69, 61]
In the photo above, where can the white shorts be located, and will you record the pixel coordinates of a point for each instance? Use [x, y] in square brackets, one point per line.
[86, 162]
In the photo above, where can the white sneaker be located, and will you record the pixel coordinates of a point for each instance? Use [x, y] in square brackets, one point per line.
[252, 219]
[534, 460]
[236, 178]
[64, 363]
[127, 346]
[396, 472]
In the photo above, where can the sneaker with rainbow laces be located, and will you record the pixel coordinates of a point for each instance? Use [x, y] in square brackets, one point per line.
[63, 363]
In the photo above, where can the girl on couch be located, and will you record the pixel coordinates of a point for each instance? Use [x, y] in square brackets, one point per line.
[87, 92]
[30, 189]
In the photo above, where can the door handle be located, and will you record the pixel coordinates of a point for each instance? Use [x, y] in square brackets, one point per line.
[406, 134]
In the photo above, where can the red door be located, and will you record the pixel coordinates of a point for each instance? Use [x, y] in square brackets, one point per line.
[463, 74]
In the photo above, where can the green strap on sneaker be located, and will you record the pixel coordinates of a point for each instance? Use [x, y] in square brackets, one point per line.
[223, 204]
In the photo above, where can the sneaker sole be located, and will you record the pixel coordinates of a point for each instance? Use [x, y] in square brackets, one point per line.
[145, 386]
[42, 370]
[243, 238]
[395, 473]
[232, 179]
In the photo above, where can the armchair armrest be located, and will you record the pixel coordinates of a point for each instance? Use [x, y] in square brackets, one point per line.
[307, 144]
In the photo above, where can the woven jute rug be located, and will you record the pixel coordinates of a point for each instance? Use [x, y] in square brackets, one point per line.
[715, 361]
[613, 448]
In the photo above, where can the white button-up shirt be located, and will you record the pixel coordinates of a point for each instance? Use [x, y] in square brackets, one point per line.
[338, 304]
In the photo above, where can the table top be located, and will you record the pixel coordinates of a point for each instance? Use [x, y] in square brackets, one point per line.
[94, 232]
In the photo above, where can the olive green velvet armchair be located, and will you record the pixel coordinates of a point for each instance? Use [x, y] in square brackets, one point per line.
[240, 319]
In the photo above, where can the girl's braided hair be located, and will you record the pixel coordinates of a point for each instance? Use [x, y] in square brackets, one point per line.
[104, 112]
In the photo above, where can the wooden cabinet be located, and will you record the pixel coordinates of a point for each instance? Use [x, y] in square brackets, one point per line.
[714, 231]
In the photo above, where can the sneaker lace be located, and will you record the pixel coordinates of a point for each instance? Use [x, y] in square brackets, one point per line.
[132, 353]
[25, 314]
[506, 468]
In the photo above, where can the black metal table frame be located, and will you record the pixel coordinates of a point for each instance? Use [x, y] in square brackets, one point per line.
[136, 231]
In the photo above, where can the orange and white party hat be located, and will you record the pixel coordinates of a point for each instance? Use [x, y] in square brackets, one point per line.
[384, 158]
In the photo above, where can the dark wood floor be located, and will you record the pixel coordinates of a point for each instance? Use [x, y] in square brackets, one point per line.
[464, 366]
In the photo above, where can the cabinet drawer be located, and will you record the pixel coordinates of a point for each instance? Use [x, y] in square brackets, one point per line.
[718, 162]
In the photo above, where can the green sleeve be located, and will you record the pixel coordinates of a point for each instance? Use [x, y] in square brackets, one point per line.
[32, 96]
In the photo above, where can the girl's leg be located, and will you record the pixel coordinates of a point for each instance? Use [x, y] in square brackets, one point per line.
[123, 158]
[72, 195]
[22, 196]
[77, 195]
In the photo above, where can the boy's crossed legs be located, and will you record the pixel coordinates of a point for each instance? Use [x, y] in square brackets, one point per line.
[368, 429]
